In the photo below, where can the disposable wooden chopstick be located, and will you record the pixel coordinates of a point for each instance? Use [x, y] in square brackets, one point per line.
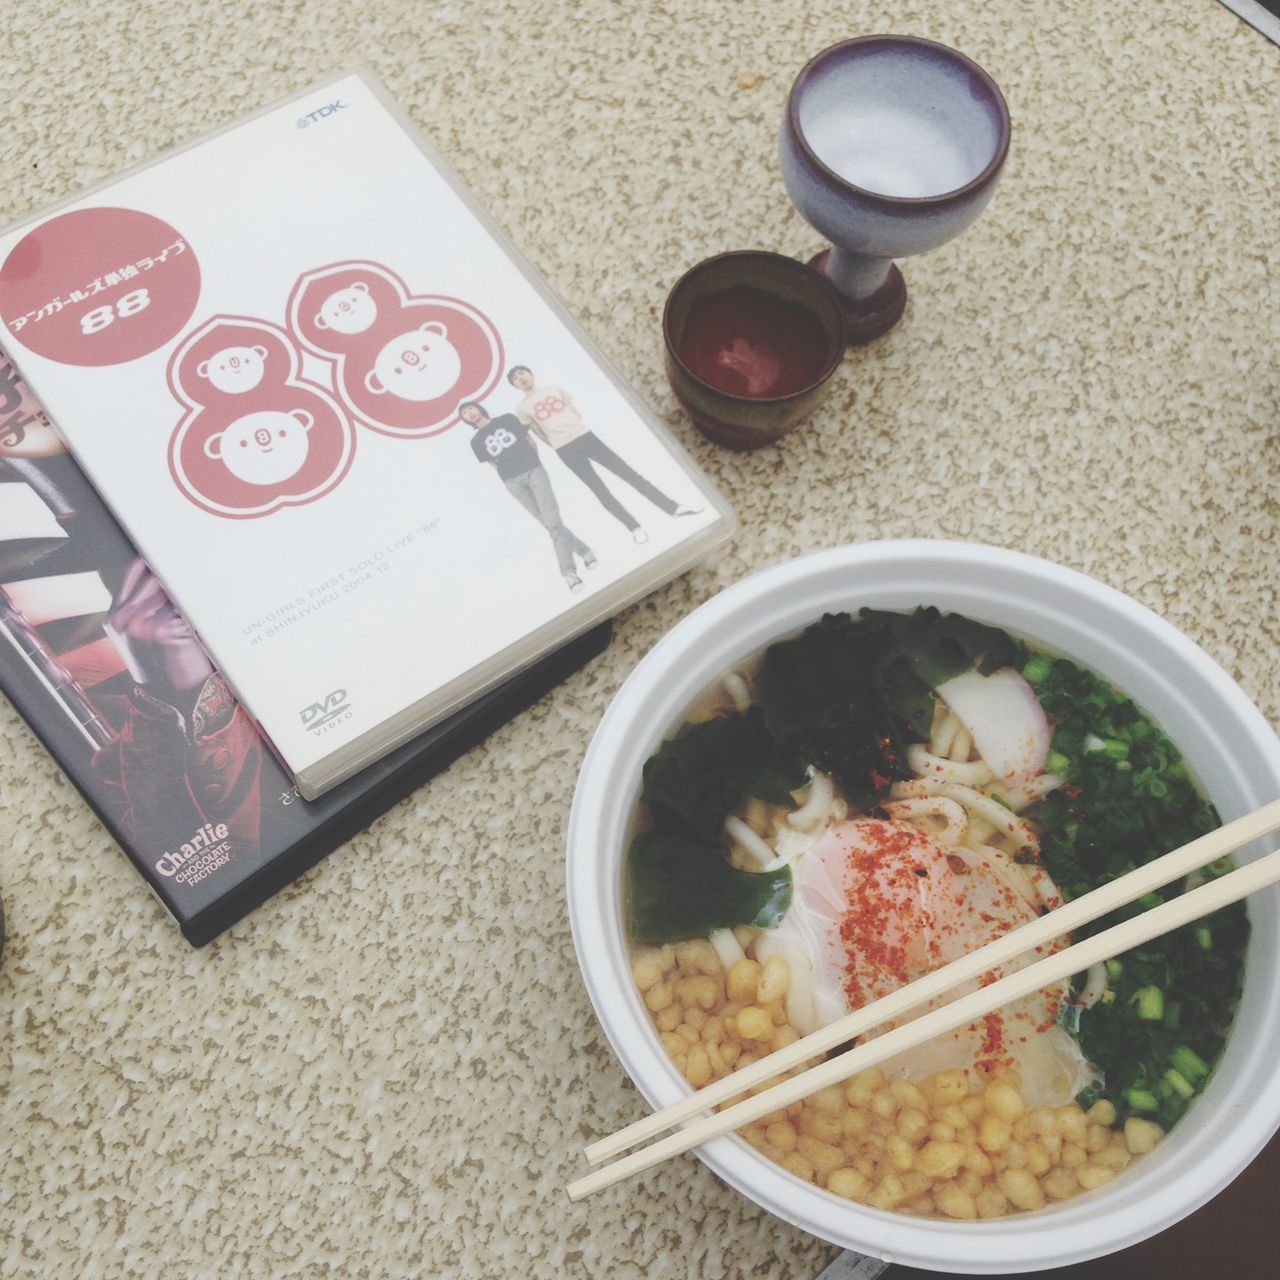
[1172, 866]
[1054, 968]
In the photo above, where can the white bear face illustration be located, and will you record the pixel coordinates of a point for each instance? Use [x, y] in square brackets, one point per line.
[264, 447]
[234, 369]
[419, 365]
[348, 310]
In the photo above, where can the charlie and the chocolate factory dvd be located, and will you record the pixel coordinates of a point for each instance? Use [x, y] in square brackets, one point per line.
[107, 672]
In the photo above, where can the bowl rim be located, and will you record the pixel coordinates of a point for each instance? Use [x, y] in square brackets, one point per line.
[857, 44]
[1054, 1236]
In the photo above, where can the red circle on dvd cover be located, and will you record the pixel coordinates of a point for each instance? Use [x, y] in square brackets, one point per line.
[99, 286]
[256, 436]
[403, 362]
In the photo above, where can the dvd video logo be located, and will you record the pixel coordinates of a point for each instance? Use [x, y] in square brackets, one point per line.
[321, 716]
[320, 113]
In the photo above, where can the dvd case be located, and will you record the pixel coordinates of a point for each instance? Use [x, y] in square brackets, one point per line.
[104, 669]
[373, 460]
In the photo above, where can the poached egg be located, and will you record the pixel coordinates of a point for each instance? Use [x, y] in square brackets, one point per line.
[877, 904]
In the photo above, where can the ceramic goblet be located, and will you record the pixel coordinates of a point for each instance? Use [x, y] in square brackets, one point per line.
[891, 145]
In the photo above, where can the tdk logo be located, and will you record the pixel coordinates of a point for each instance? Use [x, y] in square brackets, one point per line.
[322, 715]
[320, 113]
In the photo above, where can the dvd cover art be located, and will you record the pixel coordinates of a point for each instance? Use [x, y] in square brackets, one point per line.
[100, 662]
[134, 702]
[352, 399]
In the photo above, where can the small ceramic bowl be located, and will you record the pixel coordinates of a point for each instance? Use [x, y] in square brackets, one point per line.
[752, 339]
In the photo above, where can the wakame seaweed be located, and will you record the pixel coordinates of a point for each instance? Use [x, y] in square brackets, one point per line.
[821, 703]
[926, 648]
[682, 888]
[694, 779]
[1128, 800]
[849, 695]
[846, 696]
[778, 783]
[681, 883]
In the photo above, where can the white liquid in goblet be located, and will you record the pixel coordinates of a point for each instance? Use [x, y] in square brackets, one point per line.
[891, 150]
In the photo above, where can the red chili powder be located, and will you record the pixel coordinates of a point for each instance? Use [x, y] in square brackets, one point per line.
[896, 895]
[747, 342]
[992, 1054]
[862, 931]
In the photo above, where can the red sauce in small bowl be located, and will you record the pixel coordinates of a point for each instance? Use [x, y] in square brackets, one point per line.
[747, 342]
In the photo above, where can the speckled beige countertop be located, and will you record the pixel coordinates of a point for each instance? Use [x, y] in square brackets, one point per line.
[390, 1068]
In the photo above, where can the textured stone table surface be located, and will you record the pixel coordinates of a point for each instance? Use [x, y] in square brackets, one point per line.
[389, 1069]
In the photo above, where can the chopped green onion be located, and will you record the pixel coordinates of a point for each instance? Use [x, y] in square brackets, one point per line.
[1150, 1004]
[1132, 795]
[1189, 1063]
[1089, 1095]
[1037, 668]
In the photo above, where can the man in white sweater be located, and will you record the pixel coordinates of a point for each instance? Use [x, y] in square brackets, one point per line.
[549, 411]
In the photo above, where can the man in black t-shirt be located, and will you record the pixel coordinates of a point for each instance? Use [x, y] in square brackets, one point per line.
[503, 443]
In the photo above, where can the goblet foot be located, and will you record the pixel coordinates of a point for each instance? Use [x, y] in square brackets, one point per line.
[866, 319]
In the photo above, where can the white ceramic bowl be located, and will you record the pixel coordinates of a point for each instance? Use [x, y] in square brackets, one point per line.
[1223, 737]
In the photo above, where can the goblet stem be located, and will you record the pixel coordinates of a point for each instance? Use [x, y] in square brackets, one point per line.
[856, 275]
[872, 290]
